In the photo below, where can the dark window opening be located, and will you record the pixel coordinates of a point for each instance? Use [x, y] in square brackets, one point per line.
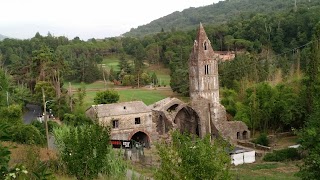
[137, 120]
[124, 107]
[115, 123]
[206, 69]
[142, 139]
[205, 45]
[244, 135]
[238, 135]
[173, 107]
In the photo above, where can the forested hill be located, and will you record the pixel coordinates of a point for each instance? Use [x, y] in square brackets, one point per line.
[217, 13]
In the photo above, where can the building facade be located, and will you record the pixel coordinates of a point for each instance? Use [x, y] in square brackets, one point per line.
[127, 120]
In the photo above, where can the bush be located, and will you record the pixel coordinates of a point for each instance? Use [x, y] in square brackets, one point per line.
[76, 120]
[106, 97]
[85, 150]
[42, 127]
[27, 134]
[189, 157]
[262, 140]
[283, 155]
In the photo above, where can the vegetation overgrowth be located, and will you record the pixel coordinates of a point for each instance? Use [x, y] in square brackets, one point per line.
[272, 84]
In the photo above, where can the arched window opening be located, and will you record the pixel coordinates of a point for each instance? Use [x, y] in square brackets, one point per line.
[172, 108]
[238, 135]
[205, 45]
[245, 135]
[141, 138]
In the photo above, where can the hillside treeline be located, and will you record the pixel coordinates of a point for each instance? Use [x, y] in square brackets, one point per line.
[273, 48]
[219, 13]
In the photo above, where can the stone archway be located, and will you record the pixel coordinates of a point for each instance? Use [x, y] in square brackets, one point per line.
[187, 120]
[141, 138]
[245, 135]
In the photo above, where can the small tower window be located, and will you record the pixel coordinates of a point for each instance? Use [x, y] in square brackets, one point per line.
[205, 45]
[115, 123]
[206, 69]
[137, 120]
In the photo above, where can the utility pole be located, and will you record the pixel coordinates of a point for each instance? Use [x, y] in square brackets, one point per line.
[70, 95]
[210, 119]
[45, 116]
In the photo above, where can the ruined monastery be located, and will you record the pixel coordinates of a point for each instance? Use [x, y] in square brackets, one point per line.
[204, 115]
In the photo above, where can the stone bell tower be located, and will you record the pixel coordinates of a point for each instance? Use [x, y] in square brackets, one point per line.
[203, 69]
[204, 93]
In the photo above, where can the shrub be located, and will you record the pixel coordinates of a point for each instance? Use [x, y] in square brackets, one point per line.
[42, 128]
[283, 155]
[262, 140]
[106, 97]
[189, 157]
[76, 120]
[85, 150]
[27, 134]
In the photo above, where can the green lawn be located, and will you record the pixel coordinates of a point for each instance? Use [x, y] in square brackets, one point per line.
[163, 73]
[95, 85]
[147, 96]
[111, 62]
[266, 171]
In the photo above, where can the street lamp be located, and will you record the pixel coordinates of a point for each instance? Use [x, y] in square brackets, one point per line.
[46, 119]
[45, 115]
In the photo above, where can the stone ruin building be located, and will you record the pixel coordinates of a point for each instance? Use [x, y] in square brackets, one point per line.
[204, 115]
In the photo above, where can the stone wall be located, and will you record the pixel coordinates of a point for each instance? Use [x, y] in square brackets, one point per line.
[127, 127]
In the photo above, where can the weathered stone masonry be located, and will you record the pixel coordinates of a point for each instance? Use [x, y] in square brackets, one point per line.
[202, 116]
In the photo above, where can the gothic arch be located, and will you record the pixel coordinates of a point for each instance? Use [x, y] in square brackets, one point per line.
[141, 137]
[187, 120]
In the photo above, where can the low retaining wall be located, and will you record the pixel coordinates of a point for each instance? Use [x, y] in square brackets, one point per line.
[254, 146]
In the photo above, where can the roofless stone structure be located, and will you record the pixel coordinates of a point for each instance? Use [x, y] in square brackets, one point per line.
[203, 116]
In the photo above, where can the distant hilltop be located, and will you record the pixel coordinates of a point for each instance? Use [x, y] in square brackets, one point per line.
[2, 37]
[216, 13]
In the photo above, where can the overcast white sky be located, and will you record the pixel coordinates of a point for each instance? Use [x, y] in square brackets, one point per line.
[84, 18]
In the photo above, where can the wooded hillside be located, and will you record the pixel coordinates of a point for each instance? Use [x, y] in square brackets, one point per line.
[218, 13]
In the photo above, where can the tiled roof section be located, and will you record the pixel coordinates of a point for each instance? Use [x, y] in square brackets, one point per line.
[117, 109]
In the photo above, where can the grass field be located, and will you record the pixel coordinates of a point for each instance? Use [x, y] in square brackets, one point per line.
[111, 62]
[148, 96]
[163, 74]
[266, 171]
[95, 85]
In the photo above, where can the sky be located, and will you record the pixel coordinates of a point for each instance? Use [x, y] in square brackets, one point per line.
[84, 18]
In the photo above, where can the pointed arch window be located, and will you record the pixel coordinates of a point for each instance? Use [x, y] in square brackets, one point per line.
[205, 45]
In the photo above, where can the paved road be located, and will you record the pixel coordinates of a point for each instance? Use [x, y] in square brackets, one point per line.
[33, 111]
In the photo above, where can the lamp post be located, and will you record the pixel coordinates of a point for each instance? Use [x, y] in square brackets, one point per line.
[45, 115]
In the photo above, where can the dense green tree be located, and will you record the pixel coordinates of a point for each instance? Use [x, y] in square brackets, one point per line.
[11, 114]
[193, 158]
[309, 139]
[85, 151]
[128, 80]
[229, 101]
[106, 97]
